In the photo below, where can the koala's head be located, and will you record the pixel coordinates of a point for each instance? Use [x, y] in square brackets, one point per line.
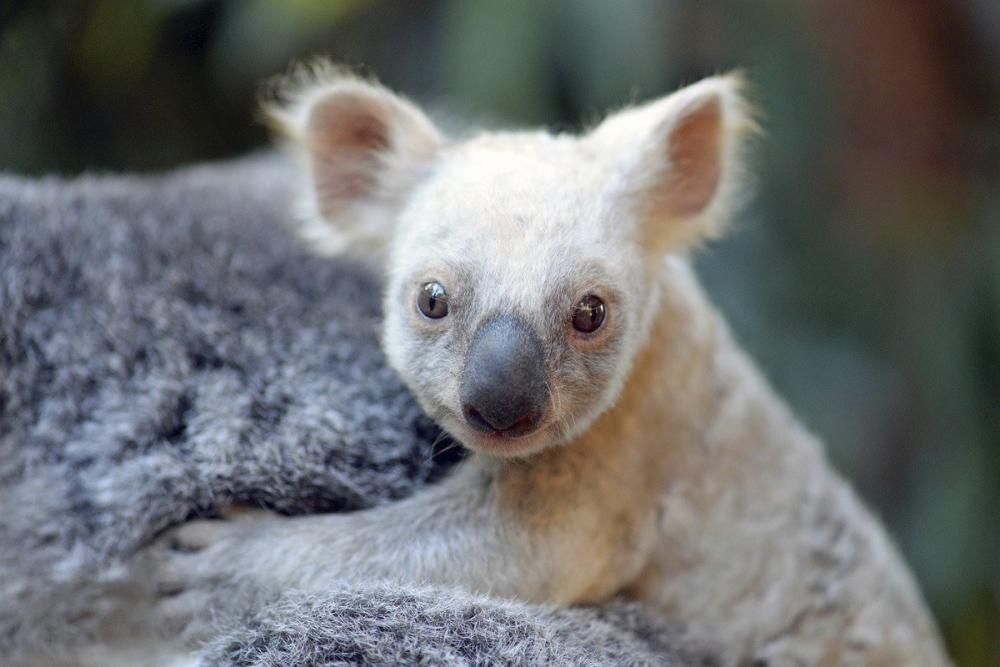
[524, 269]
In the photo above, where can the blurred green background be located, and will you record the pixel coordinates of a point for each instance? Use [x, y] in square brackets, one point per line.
[865, 277]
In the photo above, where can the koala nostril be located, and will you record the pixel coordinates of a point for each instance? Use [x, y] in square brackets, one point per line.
[522, 425]
[476, 420]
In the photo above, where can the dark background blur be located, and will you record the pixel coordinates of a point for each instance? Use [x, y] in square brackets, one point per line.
[865, 277]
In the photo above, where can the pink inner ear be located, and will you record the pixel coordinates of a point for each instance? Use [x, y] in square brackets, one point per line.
[345, 134]
[694, 158]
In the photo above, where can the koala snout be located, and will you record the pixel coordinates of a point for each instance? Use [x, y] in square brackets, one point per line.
[503, 387]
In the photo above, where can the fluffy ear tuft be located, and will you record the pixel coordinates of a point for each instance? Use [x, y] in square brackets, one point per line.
[364, 148]
[680, 160]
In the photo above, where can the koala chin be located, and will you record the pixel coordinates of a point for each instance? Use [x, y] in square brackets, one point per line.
[541, 306]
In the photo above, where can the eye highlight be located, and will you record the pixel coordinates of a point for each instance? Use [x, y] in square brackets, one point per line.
[589, 314]
[432, 300]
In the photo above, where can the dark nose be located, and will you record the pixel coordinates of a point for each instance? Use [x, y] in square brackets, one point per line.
[503, 388]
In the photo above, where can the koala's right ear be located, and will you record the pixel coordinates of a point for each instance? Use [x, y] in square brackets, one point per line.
[364, 149]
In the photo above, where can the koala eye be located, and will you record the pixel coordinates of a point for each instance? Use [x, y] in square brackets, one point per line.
[432, 300]
[589, 314]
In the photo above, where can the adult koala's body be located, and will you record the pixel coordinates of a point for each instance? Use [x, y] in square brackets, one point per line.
[541, 308]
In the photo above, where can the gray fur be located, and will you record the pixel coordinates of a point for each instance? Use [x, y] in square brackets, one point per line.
[403, 626]
[167, 349]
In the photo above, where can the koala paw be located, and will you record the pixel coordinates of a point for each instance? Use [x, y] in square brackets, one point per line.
[204, 571]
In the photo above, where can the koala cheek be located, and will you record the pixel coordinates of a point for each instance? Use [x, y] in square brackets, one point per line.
[590, 379]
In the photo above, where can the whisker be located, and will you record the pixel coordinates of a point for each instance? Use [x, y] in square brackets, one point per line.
[451, 446]
[444, 435]
[562, 423]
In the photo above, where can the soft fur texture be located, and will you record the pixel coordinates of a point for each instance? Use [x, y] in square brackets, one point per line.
[664, 466]
[168, 348]
[403, 626]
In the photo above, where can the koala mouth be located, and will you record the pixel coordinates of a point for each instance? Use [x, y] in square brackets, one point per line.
[505, 444]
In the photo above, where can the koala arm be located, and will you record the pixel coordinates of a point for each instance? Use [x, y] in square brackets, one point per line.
[466, 532]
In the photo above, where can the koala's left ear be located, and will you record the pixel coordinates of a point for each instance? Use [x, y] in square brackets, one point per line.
[677, 161]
